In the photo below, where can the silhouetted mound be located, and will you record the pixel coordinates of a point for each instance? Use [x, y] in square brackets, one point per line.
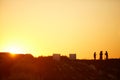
[45, 68]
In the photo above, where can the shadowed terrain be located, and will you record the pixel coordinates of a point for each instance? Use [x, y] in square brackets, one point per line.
[26, 67]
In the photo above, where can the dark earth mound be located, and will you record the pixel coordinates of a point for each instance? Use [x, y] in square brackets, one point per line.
[26, 67]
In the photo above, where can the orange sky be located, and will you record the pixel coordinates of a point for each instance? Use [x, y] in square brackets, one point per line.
[44, 27]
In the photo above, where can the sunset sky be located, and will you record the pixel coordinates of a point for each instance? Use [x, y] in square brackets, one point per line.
[44, 27]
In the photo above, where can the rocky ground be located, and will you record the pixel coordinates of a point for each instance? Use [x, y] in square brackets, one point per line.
[45, 68]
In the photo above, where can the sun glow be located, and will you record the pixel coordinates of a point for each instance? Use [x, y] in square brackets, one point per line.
[15, 50]
[44, 27]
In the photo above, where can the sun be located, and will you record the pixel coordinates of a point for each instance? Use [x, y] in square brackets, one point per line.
[15, 49]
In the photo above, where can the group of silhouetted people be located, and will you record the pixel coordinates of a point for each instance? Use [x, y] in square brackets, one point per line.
[101, 55]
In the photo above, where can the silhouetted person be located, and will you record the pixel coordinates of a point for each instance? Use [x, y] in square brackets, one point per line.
[101, 55]
[106, 54]
[94, 55]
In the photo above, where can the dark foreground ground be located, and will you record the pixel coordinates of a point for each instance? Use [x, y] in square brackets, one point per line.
[26, 67]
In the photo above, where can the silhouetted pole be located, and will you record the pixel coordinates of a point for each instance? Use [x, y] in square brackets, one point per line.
[106, 54]
[101, 55]
[94, 55]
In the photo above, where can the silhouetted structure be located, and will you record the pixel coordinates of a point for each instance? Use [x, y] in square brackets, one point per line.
[72, 56]
[106, 54]
[101, 55]
[56, 57]
[94, 55]
[5, 56]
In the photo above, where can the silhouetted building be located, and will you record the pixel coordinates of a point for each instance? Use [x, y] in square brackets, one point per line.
[101, 55]
[56, 57]
[4, 54]
[94, 55]
[106, 54]
[72, 56]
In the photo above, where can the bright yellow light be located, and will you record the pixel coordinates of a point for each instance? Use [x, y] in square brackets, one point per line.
[14, 50]
[12, 55]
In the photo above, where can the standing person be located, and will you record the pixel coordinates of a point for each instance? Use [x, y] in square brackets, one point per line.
[94, 55]
[106, 54]
[101, 55]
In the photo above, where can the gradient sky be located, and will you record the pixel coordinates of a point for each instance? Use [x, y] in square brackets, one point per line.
[44, 27]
